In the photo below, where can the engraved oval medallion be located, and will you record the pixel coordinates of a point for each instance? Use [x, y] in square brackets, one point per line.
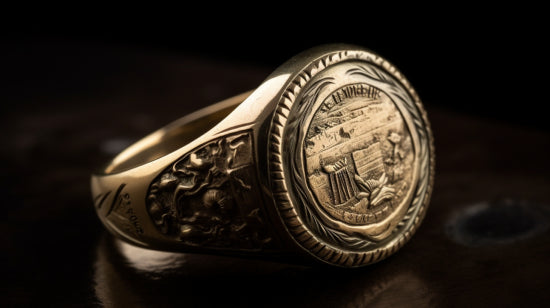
[351, 158]
[359, 156]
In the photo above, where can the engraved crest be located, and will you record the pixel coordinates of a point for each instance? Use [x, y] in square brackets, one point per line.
[358, 154]
[209, 196]
[351, 158]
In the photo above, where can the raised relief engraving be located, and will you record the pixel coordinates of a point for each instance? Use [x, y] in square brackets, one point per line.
[358, 155]
[209, 197]
[351, 158]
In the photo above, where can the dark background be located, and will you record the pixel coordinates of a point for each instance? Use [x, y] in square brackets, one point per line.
[483, 60]
[76, 85]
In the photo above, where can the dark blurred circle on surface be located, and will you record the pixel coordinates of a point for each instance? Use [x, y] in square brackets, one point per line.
[501, 222]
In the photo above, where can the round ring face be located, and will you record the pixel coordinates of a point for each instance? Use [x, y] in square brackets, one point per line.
[351, 159]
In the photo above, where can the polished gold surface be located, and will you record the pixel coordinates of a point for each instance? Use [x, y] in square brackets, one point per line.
[330, 159]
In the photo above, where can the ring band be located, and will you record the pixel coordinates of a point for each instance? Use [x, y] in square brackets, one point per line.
[330, 160]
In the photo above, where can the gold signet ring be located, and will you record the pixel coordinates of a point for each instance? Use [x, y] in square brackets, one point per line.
[329, 160]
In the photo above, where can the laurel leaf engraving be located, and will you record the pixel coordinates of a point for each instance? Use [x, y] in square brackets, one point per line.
[372, 73]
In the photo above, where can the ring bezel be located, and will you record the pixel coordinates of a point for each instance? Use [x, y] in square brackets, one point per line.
[308, 225]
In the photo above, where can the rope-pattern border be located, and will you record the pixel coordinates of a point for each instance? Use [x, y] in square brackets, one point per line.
[294, 223]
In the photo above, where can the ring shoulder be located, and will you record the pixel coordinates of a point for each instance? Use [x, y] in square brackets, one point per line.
[210, 197]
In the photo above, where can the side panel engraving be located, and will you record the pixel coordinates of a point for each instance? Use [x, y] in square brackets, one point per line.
[209, 197]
